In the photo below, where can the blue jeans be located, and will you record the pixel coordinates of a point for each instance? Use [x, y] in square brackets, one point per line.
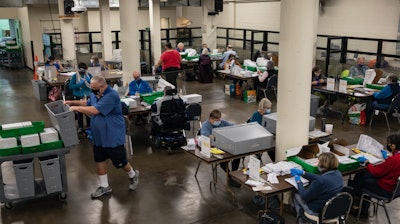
[300, 204]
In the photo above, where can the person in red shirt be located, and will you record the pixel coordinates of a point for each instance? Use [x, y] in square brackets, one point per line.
[170, 60]
[381, 178]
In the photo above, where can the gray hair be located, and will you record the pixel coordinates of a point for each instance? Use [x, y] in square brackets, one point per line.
[99, 79]
[392, 78]
[270, 65]
[264, 103]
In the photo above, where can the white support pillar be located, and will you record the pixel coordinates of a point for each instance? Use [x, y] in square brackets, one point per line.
[296, 49]
[209, 29]
[129, 19]
[67, 34]
[155, 30]
[105, 24]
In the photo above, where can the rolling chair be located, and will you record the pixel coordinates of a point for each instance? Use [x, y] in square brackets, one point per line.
[378, 200]
[393, 108]
[335, 210]
[272, 85]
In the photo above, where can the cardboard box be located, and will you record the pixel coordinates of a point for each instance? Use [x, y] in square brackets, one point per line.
[191, 98]
[269, 122]
[242, 138]
[49, 135]
[30, 140]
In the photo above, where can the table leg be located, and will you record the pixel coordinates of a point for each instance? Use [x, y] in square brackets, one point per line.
[197, 169]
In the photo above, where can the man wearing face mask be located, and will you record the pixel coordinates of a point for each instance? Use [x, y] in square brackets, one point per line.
[108, 130]
[80, 86]
[215, 121]
[138, 85]
[358, 70]
[380, 179]
[322, 187]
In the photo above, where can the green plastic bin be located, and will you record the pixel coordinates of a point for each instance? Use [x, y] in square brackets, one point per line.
[10, 151]
[36, 127]
[150, 98]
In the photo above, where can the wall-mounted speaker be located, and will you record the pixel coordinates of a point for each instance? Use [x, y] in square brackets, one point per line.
[68, 4]
[219, 5]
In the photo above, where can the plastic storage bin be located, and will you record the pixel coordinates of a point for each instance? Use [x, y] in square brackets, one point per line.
[24, 176]
[39, 89]
[63, 121]
[37, 127]
[51, 175]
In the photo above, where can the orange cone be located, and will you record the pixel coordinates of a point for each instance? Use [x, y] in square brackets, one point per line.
[35, 75]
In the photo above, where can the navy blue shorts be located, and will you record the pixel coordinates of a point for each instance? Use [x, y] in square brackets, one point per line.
[117, 155]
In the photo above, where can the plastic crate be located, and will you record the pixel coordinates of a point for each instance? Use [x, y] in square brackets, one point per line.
[10, 151]
[63, 121]
[51, 175]
[39, 89]
[151, 98]
[307, 167]
[375, 86]
[354, 81]
[42, 147]
[24, 176]
[37, 126]
[189, 58]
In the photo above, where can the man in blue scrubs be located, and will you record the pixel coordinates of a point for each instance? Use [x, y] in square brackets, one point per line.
[108, 130]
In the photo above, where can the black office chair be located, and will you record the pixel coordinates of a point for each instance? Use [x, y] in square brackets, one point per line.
[335, 210]
[393, 108]
[193, 113]
[378, 200]
[272, 85]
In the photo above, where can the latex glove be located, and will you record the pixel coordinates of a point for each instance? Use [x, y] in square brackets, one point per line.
[297, 178]
[384, 154]
[362, 159]
[295, 172]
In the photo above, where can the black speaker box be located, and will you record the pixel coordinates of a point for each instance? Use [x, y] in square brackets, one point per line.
[219, 5]
[68, 4]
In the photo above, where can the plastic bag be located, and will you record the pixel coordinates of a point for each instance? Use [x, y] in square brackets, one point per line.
[261, 61]
[248, 62]
[55, 93]
[357, 114]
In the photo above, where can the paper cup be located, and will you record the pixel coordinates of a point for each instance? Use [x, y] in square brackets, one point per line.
[329, 128]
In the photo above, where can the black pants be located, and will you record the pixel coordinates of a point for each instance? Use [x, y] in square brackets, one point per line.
[171, 74]
[235, 164]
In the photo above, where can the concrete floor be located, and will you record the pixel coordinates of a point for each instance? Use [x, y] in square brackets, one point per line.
[168, 191]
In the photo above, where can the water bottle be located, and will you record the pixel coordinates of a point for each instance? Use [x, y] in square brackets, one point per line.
[323, 121]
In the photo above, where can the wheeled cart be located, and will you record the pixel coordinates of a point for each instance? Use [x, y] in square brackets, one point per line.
[54, 179]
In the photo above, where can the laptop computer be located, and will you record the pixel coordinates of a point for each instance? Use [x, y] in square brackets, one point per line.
[95, 71]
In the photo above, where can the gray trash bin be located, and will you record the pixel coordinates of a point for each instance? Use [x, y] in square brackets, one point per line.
[63, 121]
[51, 175]
[314, 105]
[24, 177]
[39, 89]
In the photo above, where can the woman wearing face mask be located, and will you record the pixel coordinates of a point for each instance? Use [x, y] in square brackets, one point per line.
[264, 107]
[94, 62]
[380, 179]
[80, 85]
[322, 187]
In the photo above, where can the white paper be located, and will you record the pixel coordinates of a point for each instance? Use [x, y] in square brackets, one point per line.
[317, 134]
[369, 76]
[292, 181]
[272, 178]
[253, 183]
[262, 188]
[342, 149]
[343, 86]
[293, 151]
[254, 168]
[205, 146]
[330, 84]
[369, 145]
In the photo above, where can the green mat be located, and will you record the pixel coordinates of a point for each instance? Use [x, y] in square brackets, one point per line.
[150, 98]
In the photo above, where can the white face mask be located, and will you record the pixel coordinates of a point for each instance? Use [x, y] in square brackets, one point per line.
[268, 111]
[91, 61]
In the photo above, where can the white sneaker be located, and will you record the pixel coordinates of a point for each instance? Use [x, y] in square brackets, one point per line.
[134, 182]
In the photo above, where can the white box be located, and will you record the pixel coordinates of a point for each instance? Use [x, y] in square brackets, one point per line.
[6, 143]
[49, 135]
[30, 140]
[131, 103]
[191, 98]
[242, 138]
[269, 122]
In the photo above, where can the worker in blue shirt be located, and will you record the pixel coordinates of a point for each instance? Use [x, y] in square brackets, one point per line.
[108, 130]
[383, 98]
[215, 121]
[138, 85]
[53, 62]
[322, 187]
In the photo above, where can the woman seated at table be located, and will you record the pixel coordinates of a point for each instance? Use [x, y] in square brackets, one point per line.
[94, 62]
[322, 187]
[383, 98]
[53, 62]
[263, 77]
[381, 178]
[319, 79]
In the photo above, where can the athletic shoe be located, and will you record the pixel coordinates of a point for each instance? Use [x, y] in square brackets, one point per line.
[101, 191]
[133, 182]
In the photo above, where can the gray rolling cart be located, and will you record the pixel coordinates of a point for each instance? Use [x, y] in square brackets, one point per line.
[54, 179]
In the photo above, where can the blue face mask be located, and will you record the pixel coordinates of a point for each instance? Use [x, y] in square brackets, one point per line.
[268, 111]
[217, 123]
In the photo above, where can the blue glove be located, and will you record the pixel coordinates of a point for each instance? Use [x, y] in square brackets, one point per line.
[362, 159]
[295, 172]
[297, 179]
[384, 154]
